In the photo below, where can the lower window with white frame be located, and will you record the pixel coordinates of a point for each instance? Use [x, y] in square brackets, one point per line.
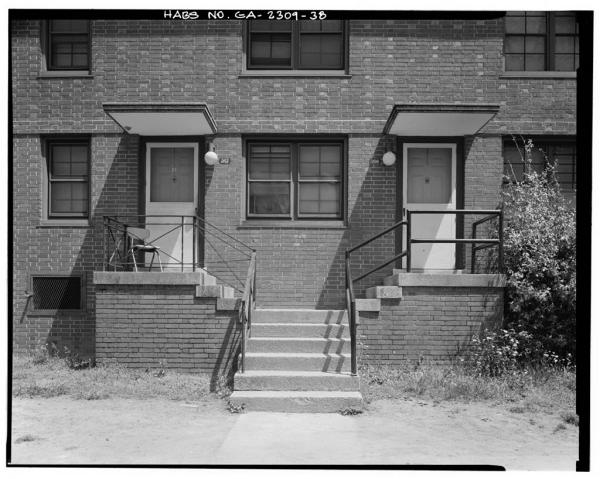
[295, 180]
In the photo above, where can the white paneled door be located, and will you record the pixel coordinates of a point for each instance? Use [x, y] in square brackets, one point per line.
[172, 192]
[429, 172]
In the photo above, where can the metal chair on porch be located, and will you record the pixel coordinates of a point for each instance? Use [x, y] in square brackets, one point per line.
[140, 235]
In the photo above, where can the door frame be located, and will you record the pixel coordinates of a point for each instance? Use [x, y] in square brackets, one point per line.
[200, 142]
[460, 188]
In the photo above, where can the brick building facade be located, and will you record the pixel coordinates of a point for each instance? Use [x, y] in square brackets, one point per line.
[389, 69]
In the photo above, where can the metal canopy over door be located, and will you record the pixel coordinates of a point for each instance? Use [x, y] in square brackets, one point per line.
[429, 173]
[171, 201]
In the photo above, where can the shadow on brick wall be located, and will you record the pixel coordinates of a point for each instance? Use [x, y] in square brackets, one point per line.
[114, 191]
[373, 210]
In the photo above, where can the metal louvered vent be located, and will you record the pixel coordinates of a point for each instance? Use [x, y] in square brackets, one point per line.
[56, 292]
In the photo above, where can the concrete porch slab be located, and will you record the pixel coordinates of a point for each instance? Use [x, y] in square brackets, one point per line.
[144, 277]
[446, 280]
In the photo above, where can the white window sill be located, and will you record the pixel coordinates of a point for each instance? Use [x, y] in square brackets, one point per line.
[541, 75]
[65, 74]
[298, 224]
[64, 223]
[294, 73]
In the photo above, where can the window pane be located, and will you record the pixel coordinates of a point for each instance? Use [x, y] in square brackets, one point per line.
[536, 24]
[515, 23]
[565, 23]
[514, 44]
[535, 44]
[321, 51]
[321, 26]
[515, 62]
[69, 160]
[69, 50]
[535, 63]
[564, 62]
[564, 44]
[271, 26]
[269, 162]
[318, 161]
[172, 175]
[69, 26]
[269, 198]
[319, 198]
[270, 49]
[68, 197]
[429, 175]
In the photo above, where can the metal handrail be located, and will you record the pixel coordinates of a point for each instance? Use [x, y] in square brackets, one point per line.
[117, 254]
[247, 307]
[478, 243]
[351, 299]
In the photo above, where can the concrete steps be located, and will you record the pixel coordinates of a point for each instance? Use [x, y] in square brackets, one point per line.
[297, 360]
[301, 345]
[298, 401]
[296, 381]
[287, 361]
[302, 330]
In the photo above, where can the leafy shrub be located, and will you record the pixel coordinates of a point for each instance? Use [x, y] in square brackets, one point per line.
[508, 352]
[540, 259]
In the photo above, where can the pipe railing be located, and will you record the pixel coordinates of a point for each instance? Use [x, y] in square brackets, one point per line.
[228, 250]
[478, 244]
[220, 256]
[247, 307]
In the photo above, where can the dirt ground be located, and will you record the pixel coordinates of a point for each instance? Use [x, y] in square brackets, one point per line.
[126, 431]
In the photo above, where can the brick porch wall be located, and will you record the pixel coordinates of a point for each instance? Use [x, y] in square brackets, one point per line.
[427, 323]
[152, 326]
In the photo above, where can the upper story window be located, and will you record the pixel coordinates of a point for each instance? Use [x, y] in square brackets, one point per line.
[541, 41]
[68, 179]
[295, 179]
[562, 153]
[68, 45]
[296, 45]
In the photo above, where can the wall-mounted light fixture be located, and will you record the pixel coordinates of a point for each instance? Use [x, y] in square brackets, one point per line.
[210, 157]
[389, 158]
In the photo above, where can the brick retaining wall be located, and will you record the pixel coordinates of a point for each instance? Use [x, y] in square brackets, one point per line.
[164, 325]
[427, 323]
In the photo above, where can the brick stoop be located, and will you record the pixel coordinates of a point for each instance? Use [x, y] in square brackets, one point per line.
[297, 360]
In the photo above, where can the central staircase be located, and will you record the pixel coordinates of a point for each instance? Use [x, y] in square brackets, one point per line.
[297, 360]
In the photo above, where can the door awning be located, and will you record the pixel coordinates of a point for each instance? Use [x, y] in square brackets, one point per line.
[162, 119]
[438, 119]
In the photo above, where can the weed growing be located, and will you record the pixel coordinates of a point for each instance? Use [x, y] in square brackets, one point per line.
[527, 390]
[53, 376]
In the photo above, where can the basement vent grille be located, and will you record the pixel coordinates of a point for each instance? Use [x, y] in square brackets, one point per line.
[56, 292]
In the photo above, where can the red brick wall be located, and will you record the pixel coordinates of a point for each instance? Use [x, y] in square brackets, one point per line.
[430, 323]
[151, 326]
[390, 62]
[65, 249]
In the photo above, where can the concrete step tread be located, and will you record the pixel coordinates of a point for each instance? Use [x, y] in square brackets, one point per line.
[271, 373]
[296, 355]
[301, 310]
[296, 394]
[294, 338]
[320, 325]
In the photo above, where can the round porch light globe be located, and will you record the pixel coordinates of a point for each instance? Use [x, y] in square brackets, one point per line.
[389, 158]
[211, 158]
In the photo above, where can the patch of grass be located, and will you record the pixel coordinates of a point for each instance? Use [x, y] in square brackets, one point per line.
[36, 390]
[559, 427]
[236, 408]
[570, 418]
[350, 411]
[25, 438]
[549, 389]
[54, 377]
